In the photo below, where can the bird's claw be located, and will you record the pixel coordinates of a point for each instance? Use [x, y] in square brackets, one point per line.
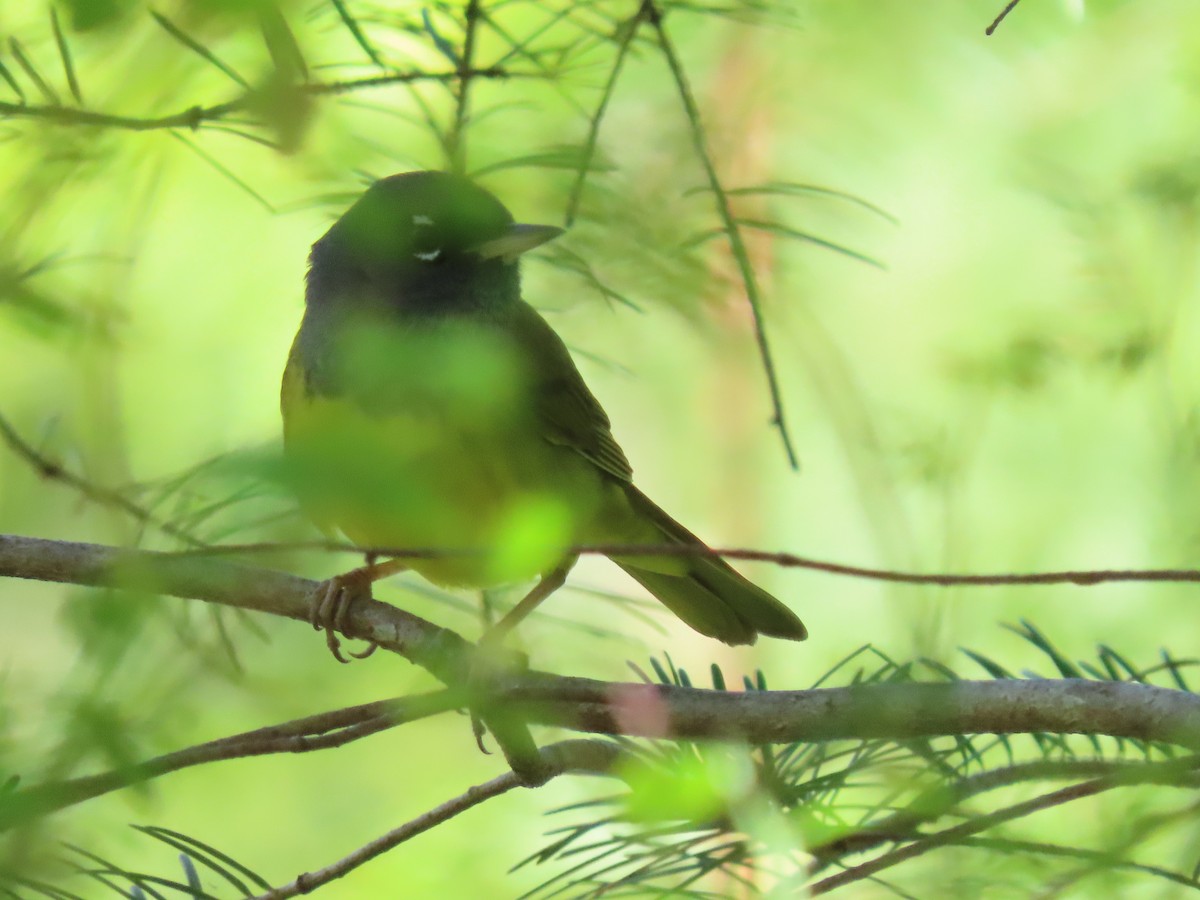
[331, 606]
[490, 660]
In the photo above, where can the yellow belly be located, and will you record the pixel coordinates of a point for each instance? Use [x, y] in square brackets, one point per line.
[500, 501]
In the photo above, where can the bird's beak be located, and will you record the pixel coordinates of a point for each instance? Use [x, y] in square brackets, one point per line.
[517, 240]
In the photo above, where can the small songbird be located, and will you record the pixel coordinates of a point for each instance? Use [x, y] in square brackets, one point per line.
[427, 405]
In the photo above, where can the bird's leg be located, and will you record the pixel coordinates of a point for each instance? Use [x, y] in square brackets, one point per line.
[547, 585]
[335, 598]
[482, 667]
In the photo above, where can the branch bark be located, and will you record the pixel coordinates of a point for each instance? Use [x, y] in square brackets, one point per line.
[872, 711]
[319, 732]
[578, 756]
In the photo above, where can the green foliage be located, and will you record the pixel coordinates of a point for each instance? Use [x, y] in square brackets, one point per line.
[768, 817]
[956, 272]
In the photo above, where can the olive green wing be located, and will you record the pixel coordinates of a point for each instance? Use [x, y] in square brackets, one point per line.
[567, 411]
[704, 591]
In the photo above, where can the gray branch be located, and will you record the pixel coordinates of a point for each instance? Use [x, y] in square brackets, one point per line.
[875, 711]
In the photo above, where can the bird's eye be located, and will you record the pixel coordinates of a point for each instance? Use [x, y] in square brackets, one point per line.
[425, 239]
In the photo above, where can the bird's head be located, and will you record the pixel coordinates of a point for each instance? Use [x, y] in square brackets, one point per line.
[424, 242]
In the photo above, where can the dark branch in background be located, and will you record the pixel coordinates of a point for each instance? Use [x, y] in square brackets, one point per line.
[456, 147]
[628, 32]
[736, 244]
[196, 116]
[578, 756]
[47, 468]
[904, 824]
[1012, 4]
[1159, 773]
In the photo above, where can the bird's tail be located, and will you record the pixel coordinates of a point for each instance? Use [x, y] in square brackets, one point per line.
[705, 591]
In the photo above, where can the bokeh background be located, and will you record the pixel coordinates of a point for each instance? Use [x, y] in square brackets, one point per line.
[993, 369]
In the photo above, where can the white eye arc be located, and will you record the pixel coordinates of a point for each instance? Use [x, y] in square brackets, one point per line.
[430, 255]
[422, 220]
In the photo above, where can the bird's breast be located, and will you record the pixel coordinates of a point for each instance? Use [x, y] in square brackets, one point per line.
[428, 438]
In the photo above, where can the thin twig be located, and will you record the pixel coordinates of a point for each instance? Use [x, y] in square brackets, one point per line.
[1150, 773]
[319, 732]
[581, 756]
[630, 30]
[943, 797]
[1101, 860]
[725, 210]
[1000, 18]
[1080, 577]
[195, 116]
[47, 468]
[456, 140]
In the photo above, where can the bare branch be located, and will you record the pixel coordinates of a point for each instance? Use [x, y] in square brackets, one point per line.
[441, 652]
[1009, 7]
[886, 711]
[578, 756]
[456, 140]
[728, 221]
[195, 116]
[628, 31]
[1080, 577]
[48, 468]
[319, 732]
[873, 711]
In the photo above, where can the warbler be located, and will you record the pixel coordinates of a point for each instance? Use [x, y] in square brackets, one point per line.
[426, 405]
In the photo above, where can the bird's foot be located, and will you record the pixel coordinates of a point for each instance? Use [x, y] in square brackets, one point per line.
[331, 606]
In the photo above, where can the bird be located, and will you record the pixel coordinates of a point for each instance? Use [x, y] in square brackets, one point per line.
[427, 405]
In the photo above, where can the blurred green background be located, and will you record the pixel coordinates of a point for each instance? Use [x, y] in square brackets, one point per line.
[1014, 387]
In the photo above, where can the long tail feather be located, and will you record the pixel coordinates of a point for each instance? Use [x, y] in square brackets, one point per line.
[706, 592]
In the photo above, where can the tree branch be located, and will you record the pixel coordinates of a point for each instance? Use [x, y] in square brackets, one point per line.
[48, 468]
[438, 650]
[1147, 774]
[456, 149]
[942, 798]
[887, 711]
[729, 223]
[626, 33]
[319, 732]
[195, 116]
[578, 756]
[783, 559]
